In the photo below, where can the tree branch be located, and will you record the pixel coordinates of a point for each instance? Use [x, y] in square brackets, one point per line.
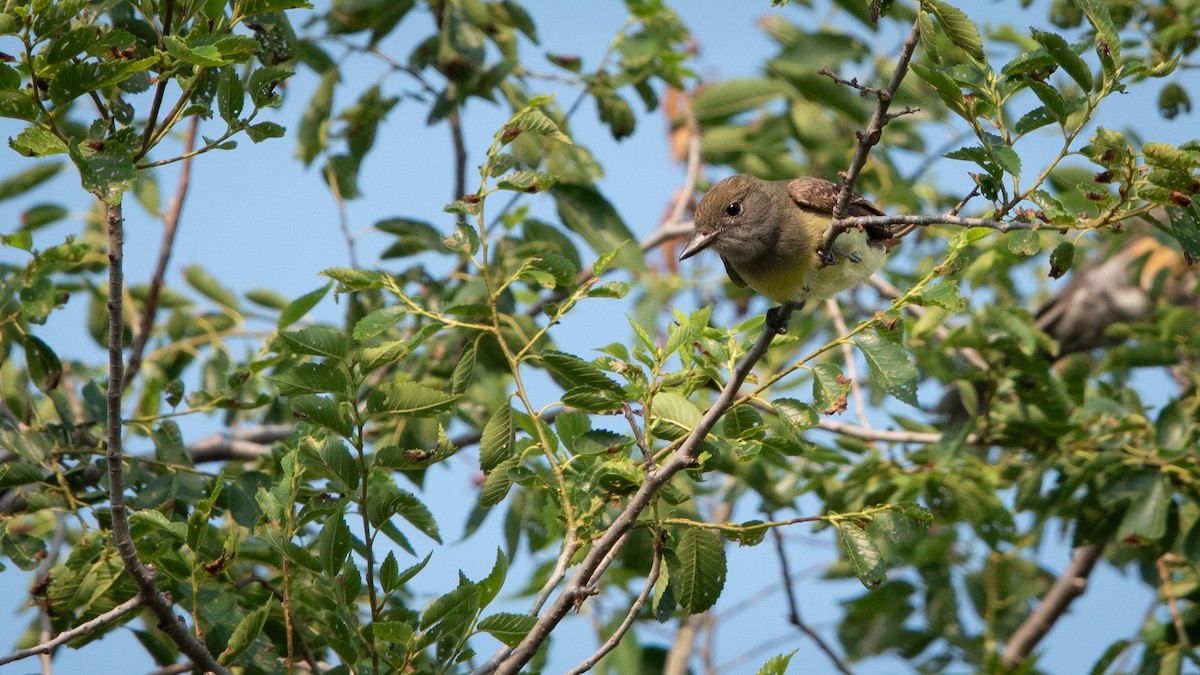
[143, 576]
[865, 142]
[794, 605]
[683, 457]
[85, 628]
[170, 227]
[634, 609]
[1069, 585]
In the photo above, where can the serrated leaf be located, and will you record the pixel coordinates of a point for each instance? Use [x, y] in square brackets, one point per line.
[946, 88]
[310, 378]
[673, 415]
[297, 308]
[1064, 55]
[578, 372]
[864, 556]
[45, 368]
[508, 627]
[1061, 259]
[890, 367]
[317, 341]
[698, 575]
[497, 483]
[743, 423]
[489, 586]
[409, 398]
[830, 387]
[231, 96]
[777, 665]
[496, 443]
[1034, 119]
[247, 631]
[333, 545]
[1107, 38]
[460, 601]
[958, 28]
[156, 520]
[377, 322]
[798, 415]
[323, 412]
[590, 399]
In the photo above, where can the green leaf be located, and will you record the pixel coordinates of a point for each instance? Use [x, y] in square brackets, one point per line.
[1024, 243]
[310, 378]
[673, 415]
[458, 602]
[829, 388]
[35, 141]
[798, 415]
[18, 105]
[957, 27]
[45, 368]
[1146, 520]
[577, 372]
[698, 572]
[333, 545]
[1061, 259]
[207, 286]
[247, 631]
[106, 173]
[377, 322]
[252, 7]
[587, 213]
[593, 400]
[743, 423]
[723, 99]
[777, 665]
[507, 627]
[1107, 39]
[1184, 225]
[317, 341]
[1034, 119]
[412, 237]
[464, 369]
[76, 79]
[409, 398]
[864, 556]
[946, 88]
[498, 483]
[322, 411]
[392, 632]
[313, 131]
[890, 366]
[1064, 55]
[297, 308]
[28, 179]
[489, 586]
[496, 444]
[263, 130]
[203, 55]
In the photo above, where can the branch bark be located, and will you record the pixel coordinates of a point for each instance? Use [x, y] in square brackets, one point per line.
[143, 576]
[1069, 585]
[85, 628]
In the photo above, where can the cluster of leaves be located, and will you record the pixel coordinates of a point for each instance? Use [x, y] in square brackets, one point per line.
[280, 556]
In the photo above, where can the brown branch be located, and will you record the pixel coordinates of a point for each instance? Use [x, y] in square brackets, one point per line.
[143, 576]
[1168, 590]
[794, 605]
[634, 609]
[839, 325]
[170, 227]
[866, 141]
[1069, 585]
[160, 90]
[683, 457]
[85, 628]
[1002, 226]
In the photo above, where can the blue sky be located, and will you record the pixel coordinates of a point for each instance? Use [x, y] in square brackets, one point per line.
[257, 219]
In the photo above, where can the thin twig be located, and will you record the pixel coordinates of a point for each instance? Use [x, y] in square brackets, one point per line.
[170, 227]
[866, 141]
[1069, 585]
[794, 605]
[839, 324]
[142, 575]
[1168, 590]
[634, 609]
[85, 628]
[638, 437]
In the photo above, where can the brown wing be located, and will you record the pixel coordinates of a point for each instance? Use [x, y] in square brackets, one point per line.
[819, 194]
[733, 275]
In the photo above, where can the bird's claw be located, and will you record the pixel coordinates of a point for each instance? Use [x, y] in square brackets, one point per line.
[776, 322]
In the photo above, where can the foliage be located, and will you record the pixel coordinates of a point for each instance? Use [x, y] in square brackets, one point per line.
[306, 550]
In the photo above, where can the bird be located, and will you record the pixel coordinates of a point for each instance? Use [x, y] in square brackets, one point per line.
[768, 232]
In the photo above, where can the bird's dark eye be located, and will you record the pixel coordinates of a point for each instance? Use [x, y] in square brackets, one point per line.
[733, 209]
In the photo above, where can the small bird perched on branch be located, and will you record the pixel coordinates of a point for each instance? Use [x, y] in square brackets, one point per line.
[768, 232]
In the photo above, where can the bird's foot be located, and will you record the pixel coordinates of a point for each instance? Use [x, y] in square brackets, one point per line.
[776, 321]
[852, 257]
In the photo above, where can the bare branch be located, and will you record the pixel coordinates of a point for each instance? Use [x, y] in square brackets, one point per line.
[634, 609]
[794, 605]
[170, 227]
[142, 575]
[839, 325]
[85, 628]
[1168, 590]
[1069, 585]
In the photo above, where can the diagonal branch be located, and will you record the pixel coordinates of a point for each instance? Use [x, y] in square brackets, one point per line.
[794, 605]
[581, 585]
[1069, 585]
[85, 628]
[170, 227]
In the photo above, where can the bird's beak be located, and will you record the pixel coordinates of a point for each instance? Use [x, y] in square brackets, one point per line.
[697, 243]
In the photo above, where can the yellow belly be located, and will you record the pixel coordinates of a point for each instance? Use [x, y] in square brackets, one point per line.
[798, 280]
